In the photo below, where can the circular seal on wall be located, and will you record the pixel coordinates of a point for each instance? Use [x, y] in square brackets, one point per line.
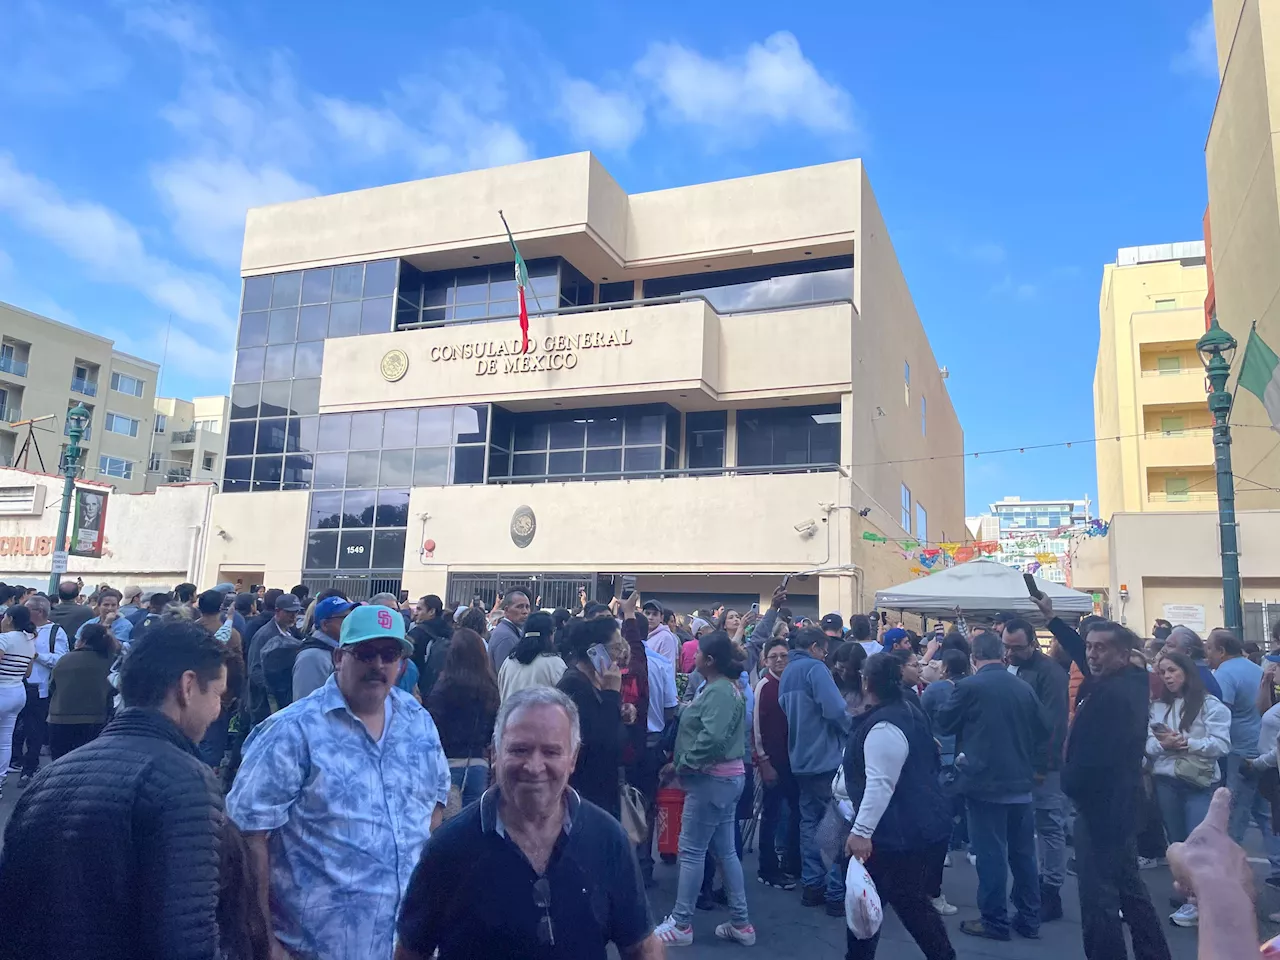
[395, 364]
[523, 526]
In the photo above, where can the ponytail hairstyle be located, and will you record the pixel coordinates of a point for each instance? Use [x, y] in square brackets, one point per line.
[20, 617]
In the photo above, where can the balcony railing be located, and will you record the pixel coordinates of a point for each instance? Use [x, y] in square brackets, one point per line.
[1188, 432]
[1180, 372]
[87, 387]
[10, 414]
[1191, 496]
[184, 436]
[14, 366]
[177, 475]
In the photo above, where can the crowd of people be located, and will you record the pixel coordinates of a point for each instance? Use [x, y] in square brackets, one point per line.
[254, 774]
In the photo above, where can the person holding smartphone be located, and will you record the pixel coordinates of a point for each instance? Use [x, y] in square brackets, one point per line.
[593, 682]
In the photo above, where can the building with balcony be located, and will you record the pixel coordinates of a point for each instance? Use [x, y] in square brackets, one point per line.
[46, 368]
[187, 440]
[1033, 536]
[719, 378]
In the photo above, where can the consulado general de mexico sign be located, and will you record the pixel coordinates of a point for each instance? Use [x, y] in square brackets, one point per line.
[503, 357]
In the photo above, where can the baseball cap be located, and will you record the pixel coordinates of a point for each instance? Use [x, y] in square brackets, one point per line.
[131, 591]
[288, 603]
[654, 604]
[222, 588]
[832, 621]
[330, 607]
[373, 623]
[893, 636]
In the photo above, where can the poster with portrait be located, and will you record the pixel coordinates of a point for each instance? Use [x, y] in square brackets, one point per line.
[88, 523]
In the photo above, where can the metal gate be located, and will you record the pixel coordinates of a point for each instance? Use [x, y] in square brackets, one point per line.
[1260, 618]
[546, 590]
[355, 587]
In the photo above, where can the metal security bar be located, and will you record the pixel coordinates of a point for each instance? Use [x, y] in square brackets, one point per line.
[546, 590]
[355, 587]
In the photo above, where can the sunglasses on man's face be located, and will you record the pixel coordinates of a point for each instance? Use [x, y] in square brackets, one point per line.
[369, 654]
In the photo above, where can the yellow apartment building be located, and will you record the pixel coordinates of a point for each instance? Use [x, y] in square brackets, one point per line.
[187, 440]
[726, 383]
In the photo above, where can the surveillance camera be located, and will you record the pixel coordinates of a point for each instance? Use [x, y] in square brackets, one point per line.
[864, 512]
[806, 528]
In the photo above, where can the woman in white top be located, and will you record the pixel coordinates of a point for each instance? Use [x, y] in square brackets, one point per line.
[17, 651]
[534, 661]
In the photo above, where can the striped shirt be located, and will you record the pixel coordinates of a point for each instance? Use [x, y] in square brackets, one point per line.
[17, 650]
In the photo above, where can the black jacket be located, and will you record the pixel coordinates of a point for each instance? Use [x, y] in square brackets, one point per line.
[113, 851]
[603, 735]
[1001, 729]
[70, 616]
[1102, 767]
[1050, 683]
[430, 640]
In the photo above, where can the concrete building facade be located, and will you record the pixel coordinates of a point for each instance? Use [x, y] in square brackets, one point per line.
[46, 368]
[1031, 532]
[187, 440]
[720, 379]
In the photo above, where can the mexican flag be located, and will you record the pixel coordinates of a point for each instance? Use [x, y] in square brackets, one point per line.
[522, 281]
[1260, 375]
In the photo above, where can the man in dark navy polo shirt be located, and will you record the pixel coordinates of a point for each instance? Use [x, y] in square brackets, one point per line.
[532, 870]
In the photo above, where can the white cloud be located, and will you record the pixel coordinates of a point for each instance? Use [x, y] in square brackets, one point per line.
[1011, 289]
[183, 26]
[1200, 55]
[772, 82]
[608, 119]
[207, 199]
[50, 50]
[987, 252]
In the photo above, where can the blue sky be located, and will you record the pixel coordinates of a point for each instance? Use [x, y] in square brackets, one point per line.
[1013, 147]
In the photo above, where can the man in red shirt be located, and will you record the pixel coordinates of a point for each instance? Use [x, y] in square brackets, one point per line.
[769, 741]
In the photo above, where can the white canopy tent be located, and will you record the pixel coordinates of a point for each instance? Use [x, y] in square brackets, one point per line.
[980, 589]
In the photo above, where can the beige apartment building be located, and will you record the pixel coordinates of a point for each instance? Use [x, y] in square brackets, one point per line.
[726, 383]
[46, 368]
[187, 440]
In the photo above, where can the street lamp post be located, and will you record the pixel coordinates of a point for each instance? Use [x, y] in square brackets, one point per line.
[1217, 348]
[77, 418]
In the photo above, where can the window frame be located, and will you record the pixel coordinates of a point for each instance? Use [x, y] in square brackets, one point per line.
[105, 462]
[904, 516]
[118, 378]
[111, 417]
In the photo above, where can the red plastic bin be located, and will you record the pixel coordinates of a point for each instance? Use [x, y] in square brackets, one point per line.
[670, 810]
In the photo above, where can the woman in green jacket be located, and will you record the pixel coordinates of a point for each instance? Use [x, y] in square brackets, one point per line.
[708, 760]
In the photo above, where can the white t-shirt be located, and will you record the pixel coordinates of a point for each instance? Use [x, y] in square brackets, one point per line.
[662, 689]
[17, 650]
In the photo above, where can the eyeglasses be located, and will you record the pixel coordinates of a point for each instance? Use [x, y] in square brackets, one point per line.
[369, 654]
[542, 900]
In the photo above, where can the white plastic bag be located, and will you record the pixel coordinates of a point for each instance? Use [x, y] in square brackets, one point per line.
[862, 910]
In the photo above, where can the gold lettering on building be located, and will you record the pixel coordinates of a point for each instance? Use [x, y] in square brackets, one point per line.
[26, 546]
[560, 352]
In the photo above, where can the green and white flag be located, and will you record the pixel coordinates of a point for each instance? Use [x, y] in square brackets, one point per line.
[1260, 375]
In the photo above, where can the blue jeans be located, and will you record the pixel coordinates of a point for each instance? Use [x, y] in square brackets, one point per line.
[1051, 828]
[1182, 806]
[1003, 838]
[835, 881]
[710, 809]
[815, 794]
[477, 780]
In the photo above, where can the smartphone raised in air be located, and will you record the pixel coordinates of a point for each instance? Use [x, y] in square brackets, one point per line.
[1032, 589]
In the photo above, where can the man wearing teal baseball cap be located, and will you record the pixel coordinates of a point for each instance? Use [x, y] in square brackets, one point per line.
[337, 795]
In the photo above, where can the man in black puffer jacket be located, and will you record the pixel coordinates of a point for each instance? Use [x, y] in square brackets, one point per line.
[113, 850]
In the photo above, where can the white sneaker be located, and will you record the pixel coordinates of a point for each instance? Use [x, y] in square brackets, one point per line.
[728, 931]
[1186, 916]
[946, 861]
[943, 908]
[674, 936]
[973, 859]
[1149, 863]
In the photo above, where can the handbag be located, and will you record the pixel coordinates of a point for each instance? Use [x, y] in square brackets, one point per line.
[632, 810]
[1199, 772]
[453, 806]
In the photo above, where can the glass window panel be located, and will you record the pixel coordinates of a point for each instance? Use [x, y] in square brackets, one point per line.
[565, 463]
[388, 548]
[544, 289]
[400, 428]
[257, 293]
[302, 434]
[604, 432]
[473, 285]
[468, 464]
[355, 549]
[506, 308]
[308, 359]
[283, 326]
[235, 479]
[705, 434]
[499, 462]
[344, 319]
[406, 313]
[375, 315]
[824, 443]
[330, 471]
[275, 398]
[316, 285]
[604, 461]
[357, 508]
[790, 443]
[672, 457]
[286, 290]
[279, 362]
[380, 278]
[366, 430]
[469, 424]
[755, 440]
[504, 289]
[642, 458]
[335, 431]
[348, 282]
[253, 330]
[326, 510]
[436, 290]
[249, 364]
[431, 467]
[469, 311]
[435, 426]
[362, 469]
[322, 551]
[267, 472]
[528, 464]
[305, 400]
[568, 434]
[240, 438]
[397, 468]
[530, 435]
[244, 400]
[393, 508]
[297, 473]
[644, 428]
[271, 436]
[313, 322]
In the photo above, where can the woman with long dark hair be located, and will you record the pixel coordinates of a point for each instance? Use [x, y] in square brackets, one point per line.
[534, 661]
[1190, 729]
[593, 681]
[846, 670]
[464, 704]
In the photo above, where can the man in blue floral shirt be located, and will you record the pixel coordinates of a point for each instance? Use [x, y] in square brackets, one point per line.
[337, 795]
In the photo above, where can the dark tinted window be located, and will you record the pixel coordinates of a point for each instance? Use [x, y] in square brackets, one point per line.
[705, 433]
[789, 437]
[763, 287]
